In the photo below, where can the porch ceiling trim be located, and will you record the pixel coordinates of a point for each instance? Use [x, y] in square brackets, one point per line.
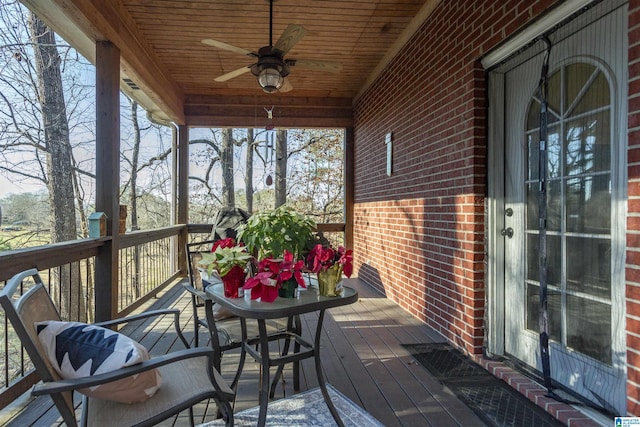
[250, 111]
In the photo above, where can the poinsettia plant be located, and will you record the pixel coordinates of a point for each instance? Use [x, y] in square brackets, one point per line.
[272, 273]
[273, 231]
[321, 258]
[225, 254]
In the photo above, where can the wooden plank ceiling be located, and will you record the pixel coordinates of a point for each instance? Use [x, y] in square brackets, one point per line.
[163, 54]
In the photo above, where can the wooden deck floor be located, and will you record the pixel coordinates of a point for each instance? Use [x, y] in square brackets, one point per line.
[362, 357]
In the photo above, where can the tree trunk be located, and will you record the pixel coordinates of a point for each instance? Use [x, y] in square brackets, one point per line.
[226, 162]
[59, 166]
[248, 178]
[281, 168]
[133, 197]
[135, 156]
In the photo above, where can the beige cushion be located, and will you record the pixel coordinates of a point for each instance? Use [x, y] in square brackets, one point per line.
[77, 350]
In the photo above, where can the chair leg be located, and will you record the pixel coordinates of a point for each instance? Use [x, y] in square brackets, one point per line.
[196, 325]
[228, 419]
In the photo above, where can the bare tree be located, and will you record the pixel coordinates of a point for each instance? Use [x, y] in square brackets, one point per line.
[58, 161]
[29, 141]
[132, 157]
[281, 167]
[315, 172]
[226, 162]
[308, 171]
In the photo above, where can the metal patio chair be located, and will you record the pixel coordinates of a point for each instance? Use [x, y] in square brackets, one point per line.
[188, 376]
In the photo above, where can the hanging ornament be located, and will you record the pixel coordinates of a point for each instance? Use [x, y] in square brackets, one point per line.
[269, 153]
[269, 111]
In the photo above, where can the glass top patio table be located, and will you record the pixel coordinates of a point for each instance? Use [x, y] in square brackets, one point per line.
[308, 301]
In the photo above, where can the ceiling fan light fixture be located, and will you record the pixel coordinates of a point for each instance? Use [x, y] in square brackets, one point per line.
[270, 69]
[270, 79]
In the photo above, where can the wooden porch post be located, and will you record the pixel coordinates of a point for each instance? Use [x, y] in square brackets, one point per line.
[183, 193]
[107, 176]
[349, 186]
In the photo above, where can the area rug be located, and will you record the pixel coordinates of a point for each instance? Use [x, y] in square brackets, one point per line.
[306, 409]
[494, 401]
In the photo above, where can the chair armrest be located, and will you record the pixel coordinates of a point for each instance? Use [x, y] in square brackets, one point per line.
[148, 314]
[192, 290]
[80, 383]
[145, 315]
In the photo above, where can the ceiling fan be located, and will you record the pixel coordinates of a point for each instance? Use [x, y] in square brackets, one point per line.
[271, 68]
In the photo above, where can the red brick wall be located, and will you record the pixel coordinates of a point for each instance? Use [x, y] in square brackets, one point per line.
[419, 234]
[633, 218]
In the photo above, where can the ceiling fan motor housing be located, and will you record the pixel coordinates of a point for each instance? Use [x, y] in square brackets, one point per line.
[270, 69]
[269, 57]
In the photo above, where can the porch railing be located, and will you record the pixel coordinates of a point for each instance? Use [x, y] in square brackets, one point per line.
[148, 263]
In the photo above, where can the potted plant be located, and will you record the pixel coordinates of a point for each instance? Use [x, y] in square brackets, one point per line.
[276, 277]
[330, 264]
[229, 260]
[270, 233]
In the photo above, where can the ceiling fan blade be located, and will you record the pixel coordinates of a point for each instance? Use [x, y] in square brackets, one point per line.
[312, 64]
[286, 86]
[292, 35]
[232, 74]
[225, 46]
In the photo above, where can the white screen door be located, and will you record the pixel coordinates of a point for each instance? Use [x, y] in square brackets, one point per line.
[585, 240]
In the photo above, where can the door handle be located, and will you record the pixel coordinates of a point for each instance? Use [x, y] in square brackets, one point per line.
[507, 232]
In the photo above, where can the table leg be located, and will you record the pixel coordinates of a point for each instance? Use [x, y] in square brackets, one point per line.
[264, 365]
[243, 354]
[321, 382]
[293, 325]
[296, 349]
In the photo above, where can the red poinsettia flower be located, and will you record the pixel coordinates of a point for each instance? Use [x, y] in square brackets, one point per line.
[229, 242]
[271, 274]
[346, 260]
[322, 258]
[289, 268]
[262, 286]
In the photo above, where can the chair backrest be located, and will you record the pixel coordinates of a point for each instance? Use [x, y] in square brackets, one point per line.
[35, 306]
[194, 251]
[227, 222]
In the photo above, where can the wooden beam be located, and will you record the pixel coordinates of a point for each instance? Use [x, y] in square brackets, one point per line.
[241, 121]
[107, 176]
[250, 100]
[243, 111]
[57, 15]
[138, 59]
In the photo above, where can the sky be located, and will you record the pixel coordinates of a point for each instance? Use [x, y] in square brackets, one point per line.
[8, 187]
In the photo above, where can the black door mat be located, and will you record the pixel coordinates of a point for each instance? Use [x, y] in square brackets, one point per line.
[493, 400]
